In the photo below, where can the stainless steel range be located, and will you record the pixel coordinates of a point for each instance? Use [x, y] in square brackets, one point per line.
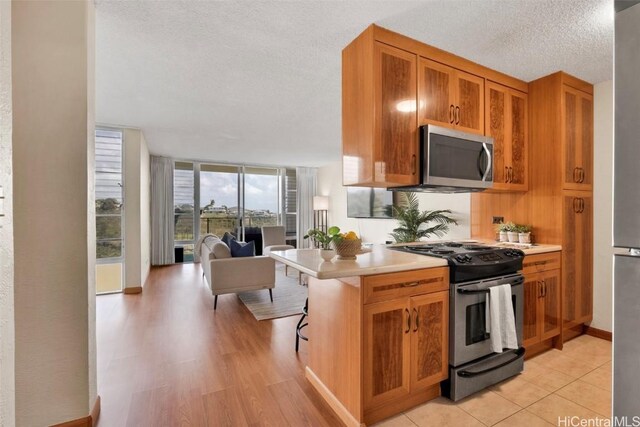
[474, 268]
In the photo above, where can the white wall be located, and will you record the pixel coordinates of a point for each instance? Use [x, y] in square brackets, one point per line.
[377, 230]
[136, 208]
[54, 238]
[145, 210]
[7, 338]
[603, 206]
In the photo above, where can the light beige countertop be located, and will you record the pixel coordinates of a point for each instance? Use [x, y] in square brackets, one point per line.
[380, 259]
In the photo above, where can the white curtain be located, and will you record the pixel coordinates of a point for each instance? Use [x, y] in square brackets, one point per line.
[306, 182]
[162, 227]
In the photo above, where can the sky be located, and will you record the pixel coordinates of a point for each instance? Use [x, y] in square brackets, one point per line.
[261, 191]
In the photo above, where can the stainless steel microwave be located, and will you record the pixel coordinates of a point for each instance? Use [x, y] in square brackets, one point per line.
[453, 161]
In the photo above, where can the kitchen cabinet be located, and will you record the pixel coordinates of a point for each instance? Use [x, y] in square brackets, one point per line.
[560, 183]
[406, 339]
[577, 139]
[542, 293]
[506, 121]
[392, 84]
[578, 250]
[379, 124]
[450, 97]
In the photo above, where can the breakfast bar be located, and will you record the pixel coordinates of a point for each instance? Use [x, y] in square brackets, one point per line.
[378, 329]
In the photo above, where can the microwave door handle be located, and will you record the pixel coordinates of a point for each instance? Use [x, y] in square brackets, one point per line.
[488, 169]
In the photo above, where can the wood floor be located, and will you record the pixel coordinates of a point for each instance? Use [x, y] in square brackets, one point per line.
[165, 358]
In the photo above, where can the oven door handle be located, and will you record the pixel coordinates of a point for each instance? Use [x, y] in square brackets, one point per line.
[516, 282]
[470, 374]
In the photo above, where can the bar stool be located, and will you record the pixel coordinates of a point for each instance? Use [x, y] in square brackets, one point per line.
[300, 326]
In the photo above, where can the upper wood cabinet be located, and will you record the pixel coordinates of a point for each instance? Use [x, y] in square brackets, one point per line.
[577, 139]
[379, 123]
[506, 120]
[450, 97]
[391, 84]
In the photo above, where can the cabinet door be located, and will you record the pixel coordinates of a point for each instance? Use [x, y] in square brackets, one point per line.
[518, 119]
[550, 322]
[497, 127]
[429, 339]
[396, 145]
[387, 337]
[532, 294]
[577, 258]
[436, 94]
[469, 108]
[577, 139]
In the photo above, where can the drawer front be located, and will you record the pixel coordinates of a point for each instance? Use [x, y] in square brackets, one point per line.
[385, 287]
[541, 262]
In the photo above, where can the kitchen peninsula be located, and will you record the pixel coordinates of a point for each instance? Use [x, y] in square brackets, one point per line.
[379, 327]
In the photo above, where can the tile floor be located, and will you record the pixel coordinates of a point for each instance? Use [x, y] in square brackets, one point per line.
[573, 382]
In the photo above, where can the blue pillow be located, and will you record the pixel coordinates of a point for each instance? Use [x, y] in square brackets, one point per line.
[227, 238]
[241, 249]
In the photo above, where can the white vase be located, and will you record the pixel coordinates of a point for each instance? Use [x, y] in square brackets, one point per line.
[524, 237]
[512, 236]
[503, 236]
[327, 254]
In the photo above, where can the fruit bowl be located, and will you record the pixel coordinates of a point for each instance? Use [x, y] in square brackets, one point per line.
[347, 248]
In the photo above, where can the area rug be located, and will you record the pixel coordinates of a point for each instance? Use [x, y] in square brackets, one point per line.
[288, 297]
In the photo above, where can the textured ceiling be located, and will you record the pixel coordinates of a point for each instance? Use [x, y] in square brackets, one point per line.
[259, 81]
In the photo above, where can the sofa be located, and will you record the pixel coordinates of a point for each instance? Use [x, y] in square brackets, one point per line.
[226, 274]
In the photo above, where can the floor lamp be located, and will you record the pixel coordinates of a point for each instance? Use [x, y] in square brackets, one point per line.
[320, 210]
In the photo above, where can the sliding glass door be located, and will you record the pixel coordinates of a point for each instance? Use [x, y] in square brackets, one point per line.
[220, 209]
[231, 198]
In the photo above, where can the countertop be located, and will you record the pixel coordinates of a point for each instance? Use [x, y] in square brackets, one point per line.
[379, 259]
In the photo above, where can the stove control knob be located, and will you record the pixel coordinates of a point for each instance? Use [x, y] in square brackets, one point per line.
[460, 259]
[467, 258]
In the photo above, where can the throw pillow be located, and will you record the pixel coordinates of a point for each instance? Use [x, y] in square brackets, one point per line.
[227, 238]
[241, 249]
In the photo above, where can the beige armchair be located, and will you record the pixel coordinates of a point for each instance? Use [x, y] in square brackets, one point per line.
[226, 275]
[274, 239]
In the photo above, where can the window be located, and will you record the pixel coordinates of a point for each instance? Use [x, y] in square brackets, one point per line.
[109, 211]
[231, 198]
[183, 208]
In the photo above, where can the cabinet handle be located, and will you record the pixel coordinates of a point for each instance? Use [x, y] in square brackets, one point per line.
[506, 174]
[575, 175]
[410, 284]
[510, 174]
[417, 319]
[408, 321]
[581, 205]
[575, 204]
[544, 288]
[539, 283]
[457, 115]
[413, 164]
[451, 113]
[581, 175]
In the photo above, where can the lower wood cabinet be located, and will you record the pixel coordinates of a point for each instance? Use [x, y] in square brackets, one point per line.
[405, 346]
[542, 296]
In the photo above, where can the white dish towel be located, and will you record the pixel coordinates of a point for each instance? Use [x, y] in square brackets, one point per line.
[499, 319]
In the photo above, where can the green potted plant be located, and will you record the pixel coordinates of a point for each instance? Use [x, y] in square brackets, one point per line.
[324, 240]
[502, 230]
[512, 232]
[524, 233]
[414, 222]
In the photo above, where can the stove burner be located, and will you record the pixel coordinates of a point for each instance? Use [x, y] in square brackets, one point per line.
[452, 244]
[476, 247]
[441, 252]
[420, 248]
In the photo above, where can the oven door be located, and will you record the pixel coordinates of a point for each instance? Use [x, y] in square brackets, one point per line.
[469, 339]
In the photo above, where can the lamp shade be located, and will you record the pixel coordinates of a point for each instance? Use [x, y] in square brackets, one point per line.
[320, 203]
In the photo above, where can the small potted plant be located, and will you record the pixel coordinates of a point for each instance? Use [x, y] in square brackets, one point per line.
[503, 230]
[324, 240]
[511, 230]
[524, 233]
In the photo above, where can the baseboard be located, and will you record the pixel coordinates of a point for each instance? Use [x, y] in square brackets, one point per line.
[599, 333]
[90, 420]
[133, 290]
[337, 406]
